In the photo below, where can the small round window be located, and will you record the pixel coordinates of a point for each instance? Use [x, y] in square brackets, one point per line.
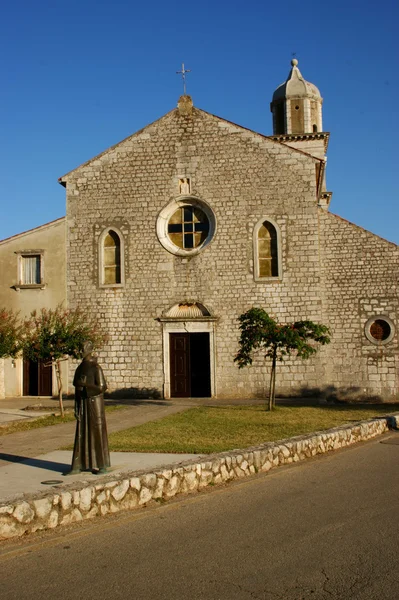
[186, 226]
[379, 330]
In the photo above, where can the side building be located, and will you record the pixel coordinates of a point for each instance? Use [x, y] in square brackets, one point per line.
[33, 276]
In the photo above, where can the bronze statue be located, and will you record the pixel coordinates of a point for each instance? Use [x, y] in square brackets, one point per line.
[91, 442]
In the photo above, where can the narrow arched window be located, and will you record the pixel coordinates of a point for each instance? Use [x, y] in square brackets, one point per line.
[266, 250]
[111, 258]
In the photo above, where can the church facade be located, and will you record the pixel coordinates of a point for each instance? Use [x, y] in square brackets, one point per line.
[180, 228]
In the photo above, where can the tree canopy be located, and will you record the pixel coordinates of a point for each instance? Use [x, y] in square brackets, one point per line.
[10, 333]
[260, 332]
[53, 335]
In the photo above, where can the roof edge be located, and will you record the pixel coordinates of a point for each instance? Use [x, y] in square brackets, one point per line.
[271, 138]
[358, 227]
[62, 179]
[44, 226]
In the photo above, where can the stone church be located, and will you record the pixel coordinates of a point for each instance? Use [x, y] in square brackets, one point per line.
[181, 227]
[177, 230]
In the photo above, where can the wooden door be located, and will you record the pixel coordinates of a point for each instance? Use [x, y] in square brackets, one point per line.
[45, 379]
[30, 382]
[37, 378]
[180, 365]
[200, 365]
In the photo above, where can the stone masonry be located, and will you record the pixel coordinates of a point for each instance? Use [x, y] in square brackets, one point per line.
[360, 279]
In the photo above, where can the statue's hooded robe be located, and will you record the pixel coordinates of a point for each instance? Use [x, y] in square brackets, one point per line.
[91, 441]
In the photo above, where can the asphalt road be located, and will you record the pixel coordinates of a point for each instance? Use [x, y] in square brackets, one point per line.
[323, 529]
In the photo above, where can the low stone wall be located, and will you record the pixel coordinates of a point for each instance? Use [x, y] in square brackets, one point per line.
[132, 490]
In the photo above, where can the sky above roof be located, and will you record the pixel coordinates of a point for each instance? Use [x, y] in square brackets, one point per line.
[80, 76]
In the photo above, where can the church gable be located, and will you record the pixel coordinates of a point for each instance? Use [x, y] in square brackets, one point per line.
[179, 123]
[111, 154]
[211, 152]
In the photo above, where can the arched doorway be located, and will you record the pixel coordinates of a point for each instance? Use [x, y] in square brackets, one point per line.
[190, 365]
[189, 355]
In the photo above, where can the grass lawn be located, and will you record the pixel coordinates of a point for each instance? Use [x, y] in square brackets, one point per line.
[206, 429]
[46, 421]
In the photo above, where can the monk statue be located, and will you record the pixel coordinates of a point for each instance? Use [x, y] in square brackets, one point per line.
[91, 442]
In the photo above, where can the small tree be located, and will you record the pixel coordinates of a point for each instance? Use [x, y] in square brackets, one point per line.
[259, 332]
[10, 333]
[54, 335]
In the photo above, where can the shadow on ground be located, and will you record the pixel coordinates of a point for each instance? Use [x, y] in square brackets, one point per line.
[36, 462]
[345, 395]
[134, 393]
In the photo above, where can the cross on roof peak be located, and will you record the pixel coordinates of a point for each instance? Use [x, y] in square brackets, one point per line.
[183, 74]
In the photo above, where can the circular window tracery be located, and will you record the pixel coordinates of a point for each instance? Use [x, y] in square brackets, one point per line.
[379, 330]
[186, 226]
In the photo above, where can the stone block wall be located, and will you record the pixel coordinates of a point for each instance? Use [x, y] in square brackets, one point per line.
[360, 275]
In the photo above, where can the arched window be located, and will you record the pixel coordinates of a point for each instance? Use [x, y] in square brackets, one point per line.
[111, 258]
[267, 250]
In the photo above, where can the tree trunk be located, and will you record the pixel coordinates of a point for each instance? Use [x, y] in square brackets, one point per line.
[272, 380]
[274, 377]
[59, 384]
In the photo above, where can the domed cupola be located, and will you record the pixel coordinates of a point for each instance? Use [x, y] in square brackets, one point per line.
[296, 105]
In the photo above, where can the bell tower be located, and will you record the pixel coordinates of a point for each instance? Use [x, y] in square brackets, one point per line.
[296, 105]
[298, 122]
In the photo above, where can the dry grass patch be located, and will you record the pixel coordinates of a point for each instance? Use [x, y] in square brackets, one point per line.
[204, 430]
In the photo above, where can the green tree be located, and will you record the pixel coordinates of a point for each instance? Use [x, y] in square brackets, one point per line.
[259, 332]
[10, 333]
[54, 335]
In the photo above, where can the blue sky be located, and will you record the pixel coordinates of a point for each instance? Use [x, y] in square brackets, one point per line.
[79, 76]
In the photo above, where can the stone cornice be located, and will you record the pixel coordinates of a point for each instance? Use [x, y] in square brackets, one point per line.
[186, 319]
[302, 137]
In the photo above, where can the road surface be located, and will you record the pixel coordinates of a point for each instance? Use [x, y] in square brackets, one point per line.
[327, 528]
